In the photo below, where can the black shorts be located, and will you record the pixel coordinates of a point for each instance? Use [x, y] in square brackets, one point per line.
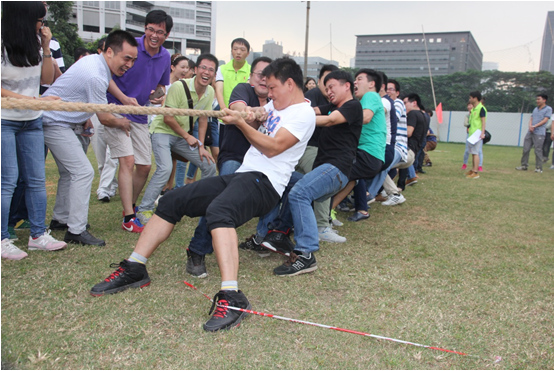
[226, 201]
[365, 167]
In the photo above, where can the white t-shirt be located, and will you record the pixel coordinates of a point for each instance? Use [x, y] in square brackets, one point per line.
[387, 106]
[299, 120]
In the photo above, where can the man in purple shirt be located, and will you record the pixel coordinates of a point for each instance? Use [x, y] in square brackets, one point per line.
[150, 72]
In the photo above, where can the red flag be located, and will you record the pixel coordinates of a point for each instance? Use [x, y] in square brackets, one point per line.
[438, 110]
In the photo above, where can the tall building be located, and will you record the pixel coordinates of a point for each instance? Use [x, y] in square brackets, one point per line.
[193, 21]
[272, 50]
[314, 65]
[404, 55]
[547, 50]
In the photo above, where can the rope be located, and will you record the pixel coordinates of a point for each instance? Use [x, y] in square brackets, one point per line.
[58, 105]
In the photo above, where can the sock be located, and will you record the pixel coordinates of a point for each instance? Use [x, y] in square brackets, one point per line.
[129, 217]
[229, 286]
[137, 258]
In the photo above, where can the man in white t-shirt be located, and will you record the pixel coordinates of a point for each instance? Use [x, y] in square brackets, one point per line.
[285, 126]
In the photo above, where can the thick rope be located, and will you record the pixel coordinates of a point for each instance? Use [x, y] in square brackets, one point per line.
[58, 105]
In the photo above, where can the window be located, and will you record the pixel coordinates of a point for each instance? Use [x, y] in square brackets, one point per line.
[431, 41]
[439, 39]
[112, 5]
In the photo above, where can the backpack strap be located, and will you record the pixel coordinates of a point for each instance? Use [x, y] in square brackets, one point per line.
[190, 103]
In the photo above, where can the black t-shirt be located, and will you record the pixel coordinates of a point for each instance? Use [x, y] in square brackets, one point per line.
[338, 143]
[417, 120]
[317, 99]
[233, 145]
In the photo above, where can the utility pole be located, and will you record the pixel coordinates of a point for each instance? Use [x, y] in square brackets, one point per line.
[306, 43]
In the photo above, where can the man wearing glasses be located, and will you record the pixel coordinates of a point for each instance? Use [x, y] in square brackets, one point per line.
[150, 72]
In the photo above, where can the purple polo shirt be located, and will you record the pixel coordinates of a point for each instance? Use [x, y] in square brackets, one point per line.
[146, 74]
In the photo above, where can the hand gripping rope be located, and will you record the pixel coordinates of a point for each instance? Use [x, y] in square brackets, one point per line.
[497, 359]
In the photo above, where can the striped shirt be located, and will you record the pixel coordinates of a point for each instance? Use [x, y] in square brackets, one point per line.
[401, 144]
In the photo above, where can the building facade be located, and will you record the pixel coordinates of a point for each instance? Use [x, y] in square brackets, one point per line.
[547, 50]
[404, 55]
[193, 21]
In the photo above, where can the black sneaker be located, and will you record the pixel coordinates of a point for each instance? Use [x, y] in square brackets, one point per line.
[84, 238]
[196, 265]
[223, 317]
[296, 264]
[278, 242]
[253, 245]
[128, 275]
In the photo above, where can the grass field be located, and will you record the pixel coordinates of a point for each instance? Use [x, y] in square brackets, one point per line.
[463, 264]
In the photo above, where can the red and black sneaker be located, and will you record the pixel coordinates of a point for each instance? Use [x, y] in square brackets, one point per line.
[128, 275]
[224, 318]
[278, 242]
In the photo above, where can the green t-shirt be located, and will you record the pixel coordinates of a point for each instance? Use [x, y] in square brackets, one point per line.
[177, 98]
[373, 139]
[232, 78]
[475, 118]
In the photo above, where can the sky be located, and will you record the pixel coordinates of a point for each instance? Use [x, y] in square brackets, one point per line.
[508, 33]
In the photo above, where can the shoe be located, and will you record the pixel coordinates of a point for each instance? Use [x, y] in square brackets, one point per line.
[421, 171]
[104, 197]
[134, 225]
[252, 244]
[537, 170]
[480, 169]
[552, 167]
[330, 235]
[429, 164]
[13, 236]
[380, 198]
[224, 318]
[358, 216]
[343, 206]
[464, 166]
[278, 242]
[411, 181]
[545, 160]
[22, 224]
[334, 221]
[469, 172]
[144, 216]
[521, 168]
[473, 175]
[196, 264]
[296, 264]
[57, 226]
[10, 251]
[46, 242]
[128, 275]
[85, 238]
[395, 199]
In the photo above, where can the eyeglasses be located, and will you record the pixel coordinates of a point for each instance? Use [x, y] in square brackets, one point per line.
[159, 32]
[43, 21]
[258, 75]
[204, 68]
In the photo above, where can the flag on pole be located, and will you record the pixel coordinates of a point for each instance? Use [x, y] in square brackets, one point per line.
[438, 110]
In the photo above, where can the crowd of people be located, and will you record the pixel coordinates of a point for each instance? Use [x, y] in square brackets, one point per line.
[288, 151]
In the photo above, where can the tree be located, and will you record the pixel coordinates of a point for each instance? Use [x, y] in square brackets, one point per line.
[66, 33]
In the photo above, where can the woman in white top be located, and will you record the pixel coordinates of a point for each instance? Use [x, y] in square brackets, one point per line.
[26, 63]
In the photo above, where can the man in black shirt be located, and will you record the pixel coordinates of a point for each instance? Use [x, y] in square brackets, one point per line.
[341, 123]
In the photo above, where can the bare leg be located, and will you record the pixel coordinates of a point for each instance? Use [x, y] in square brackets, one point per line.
[140, 176]
[475, 163]
[156, 231]
[343, 193]
[125, 181]
[226, 248]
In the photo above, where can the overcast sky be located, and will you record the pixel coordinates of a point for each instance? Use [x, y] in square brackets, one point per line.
[508, 33]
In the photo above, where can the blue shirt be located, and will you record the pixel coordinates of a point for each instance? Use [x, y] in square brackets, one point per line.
[146, 74]
[539, 115]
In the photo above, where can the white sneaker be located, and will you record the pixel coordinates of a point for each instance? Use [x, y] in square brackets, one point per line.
[10, 251]
[330, 235]
[46, 242]
[552, 167]
[395, 199]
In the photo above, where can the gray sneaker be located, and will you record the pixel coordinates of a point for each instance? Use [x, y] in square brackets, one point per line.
[521, 168]
[537, 170]
[196, 265]
[330, 235]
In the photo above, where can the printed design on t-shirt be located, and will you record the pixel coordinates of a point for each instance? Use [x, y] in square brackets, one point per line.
[271, 124]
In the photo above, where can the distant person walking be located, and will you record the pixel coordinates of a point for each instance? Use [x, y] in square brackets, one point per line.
[536, 134]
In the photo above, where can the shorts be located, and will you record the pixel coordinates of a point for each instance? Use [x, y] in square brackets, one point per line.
[138, 144]
[474, 149]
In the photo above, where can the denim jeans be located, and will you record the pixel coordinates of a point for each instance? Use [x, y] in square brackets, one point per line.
[321, 183]
[23, 151]
[214, 131]
[162, 145]
[201, 242]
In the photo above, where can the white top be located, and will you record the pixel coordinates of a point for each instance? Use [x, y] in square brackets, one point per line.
[24, 81]
[299, 120]
[386, 105]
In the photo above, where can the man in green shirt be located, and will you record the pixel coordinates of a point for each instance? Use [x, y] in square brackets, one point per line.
[233, 73]
[477, 121]
[171, 133]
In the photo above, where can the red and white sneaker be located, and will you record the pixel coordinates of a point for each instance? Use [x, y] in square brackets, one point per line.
[134, 225]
